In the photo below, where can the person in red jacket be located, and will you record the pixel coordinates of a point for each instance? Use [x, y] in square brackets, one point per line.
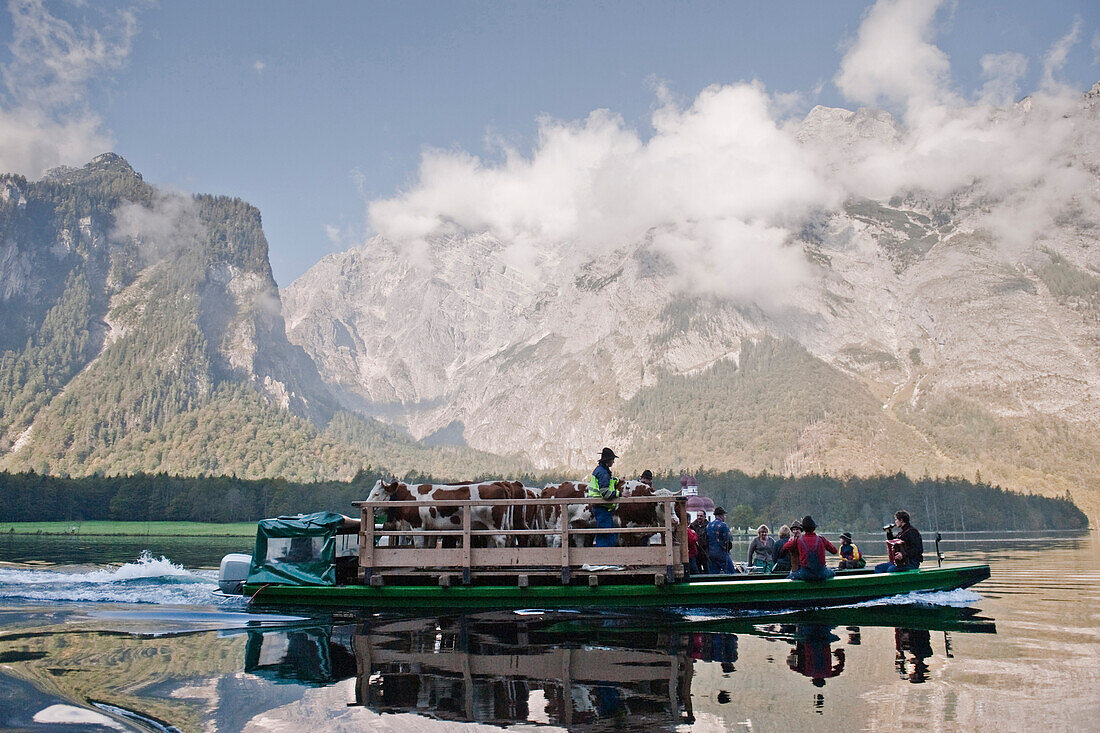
[811, 550]
[693, 551]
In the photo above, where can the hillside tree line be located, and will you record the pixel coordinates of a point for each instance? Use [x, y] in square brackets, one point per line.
[852, 503]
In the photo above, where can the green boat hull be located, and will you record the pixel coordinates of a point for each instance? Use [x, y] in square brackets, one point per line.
[718, 591]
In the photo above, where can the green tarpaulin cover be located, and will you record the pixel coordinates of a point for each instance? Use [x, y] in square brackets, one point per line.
[298, 550]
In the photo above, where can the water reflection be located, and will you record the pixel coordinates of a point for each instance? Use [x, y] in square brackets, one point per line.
[572, 671]
[914, 647]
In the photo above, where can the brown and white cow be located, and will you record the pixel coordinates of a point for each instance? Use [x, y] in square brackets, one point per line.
[429, 517]
[641, 515]
[579, 516]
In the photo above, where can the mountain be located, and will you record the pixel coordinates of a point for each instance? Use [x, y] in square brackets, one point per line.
[931, 342]
[142, 331]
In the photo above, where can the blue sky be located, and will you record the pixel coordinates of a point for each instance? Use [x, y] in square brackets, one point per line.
[311, 111]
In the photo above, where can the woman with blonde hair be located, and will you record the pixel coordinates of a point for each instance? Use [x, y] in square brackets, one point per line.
[763, 547]
[781, 562]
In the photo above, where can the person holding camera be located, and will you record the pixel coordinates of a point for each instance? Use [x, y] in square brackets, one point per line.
[906, 548]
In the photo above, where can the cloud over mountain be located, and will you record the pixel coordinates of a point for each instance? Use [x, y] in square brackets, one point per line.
[724, 184]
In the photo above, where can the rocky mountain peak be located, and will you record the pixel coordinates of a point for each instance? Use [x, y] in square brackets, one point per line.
[103, 163]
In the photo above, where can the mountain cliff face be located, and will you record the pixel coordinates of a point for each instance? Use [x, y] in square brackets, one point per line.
[143, 331]
[929, 342]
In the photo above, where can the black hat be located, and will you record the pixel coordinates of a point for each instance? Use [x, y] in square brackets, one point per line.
[846, 536]
[808, 524]
[647, 475]
[719, 512]
[607, 453]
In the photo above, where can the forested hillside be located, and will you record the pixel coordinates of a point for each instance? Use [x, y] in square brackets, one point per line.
[855, 503]
[143, 332]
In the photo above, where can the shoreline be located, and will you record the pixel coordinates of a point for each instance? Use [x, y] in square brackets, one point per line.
[127, 529]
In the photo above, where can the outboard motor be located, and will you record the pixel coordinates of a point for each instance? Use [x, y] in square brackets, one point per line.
[233, 572]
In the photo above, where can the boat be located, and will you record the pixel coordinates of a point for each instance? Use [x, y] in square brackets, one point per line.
[331, 560]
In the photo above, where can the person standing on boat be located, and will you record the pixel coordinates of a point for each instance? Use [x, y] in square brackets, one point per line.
[602, 485]
[700, 527]
[811, 553]
[719, 543]
[692, 565]
[912, 546]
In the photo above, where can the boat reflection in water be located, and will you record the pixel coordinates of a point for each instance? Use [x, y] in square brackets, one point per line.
[570, 669]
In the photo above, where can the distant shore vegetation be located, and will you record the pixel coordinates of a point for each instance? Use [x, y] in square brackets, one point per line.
[849, 502]
[107, 528]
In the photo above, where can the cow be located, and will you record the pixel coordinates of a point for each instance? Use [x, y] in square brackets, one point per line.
[430, 517]
[641, 514]
[530, 516]
[579, 516]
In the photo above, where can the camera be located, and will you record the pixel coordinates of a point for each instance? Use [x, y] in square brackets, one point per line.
[887, 528]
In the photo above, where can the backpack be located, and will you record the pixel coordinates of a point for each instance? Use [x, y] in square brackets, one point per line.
[810, 559]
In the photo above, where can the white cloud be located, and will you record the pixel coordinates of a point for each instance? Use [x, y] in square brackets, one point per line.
[332, 234]
[1018, 158]
[44, 118]
[168, 226]
[1002, 72]
[1056, 59]
[893, 61]
[723, 183]
[718, 179]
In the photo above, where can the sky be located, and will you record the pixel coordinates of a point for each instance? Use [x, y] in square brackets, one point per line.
[539, 122]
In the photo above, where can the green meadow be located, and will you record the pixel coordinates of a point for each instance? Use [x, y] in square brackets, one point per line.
[132, 529]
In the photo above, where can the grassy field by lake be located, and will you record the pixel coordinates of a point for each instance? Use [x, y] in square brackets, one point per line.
[132, 529]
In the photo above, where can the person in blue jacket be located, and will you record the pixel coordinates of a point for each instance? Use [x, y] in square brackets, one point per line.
[719, 543]
[602, 485]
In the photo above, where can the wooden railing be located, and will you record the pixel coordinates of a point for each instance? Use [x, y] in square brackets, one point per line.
[375, 560]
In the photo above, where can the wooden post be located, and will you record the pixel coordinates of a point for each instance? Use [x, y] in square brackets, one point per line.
[466, 513]
[669, 557]
[366, 544]
[362, 645]
[565, 571]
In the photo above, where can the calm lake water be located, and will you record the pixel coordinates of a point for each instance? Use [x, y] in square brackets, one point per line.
[96, 634]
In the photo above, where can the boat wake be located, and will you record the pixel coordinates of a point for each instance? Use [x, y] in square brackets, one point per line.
[954, 598]
[147, 580]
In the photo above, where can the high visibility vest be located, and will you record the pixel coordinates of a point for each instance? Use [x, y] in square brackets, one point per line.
[595, 492]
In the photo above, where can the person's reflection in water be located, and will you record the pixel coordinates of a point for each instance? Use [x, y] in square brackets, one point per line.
[720, 648]
[918, 642]
[813, 656]
[609, 703]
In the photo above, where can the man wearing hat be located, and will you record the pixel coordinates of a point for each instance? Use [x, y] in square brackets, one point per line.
[719, 544]
[811, 549]
[602, 485]
[850, 557]
[787, 553]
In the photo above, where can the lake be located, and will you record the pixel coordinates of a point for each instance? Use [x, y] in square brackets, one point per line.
[112, 633]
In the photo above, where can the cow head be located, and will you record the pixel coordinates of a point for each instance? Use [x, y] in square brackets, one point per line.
[384, 492]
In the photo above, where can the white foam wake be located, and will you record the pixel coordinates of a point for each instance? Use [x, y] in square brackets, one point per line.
[956, 598]
[146, 580]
